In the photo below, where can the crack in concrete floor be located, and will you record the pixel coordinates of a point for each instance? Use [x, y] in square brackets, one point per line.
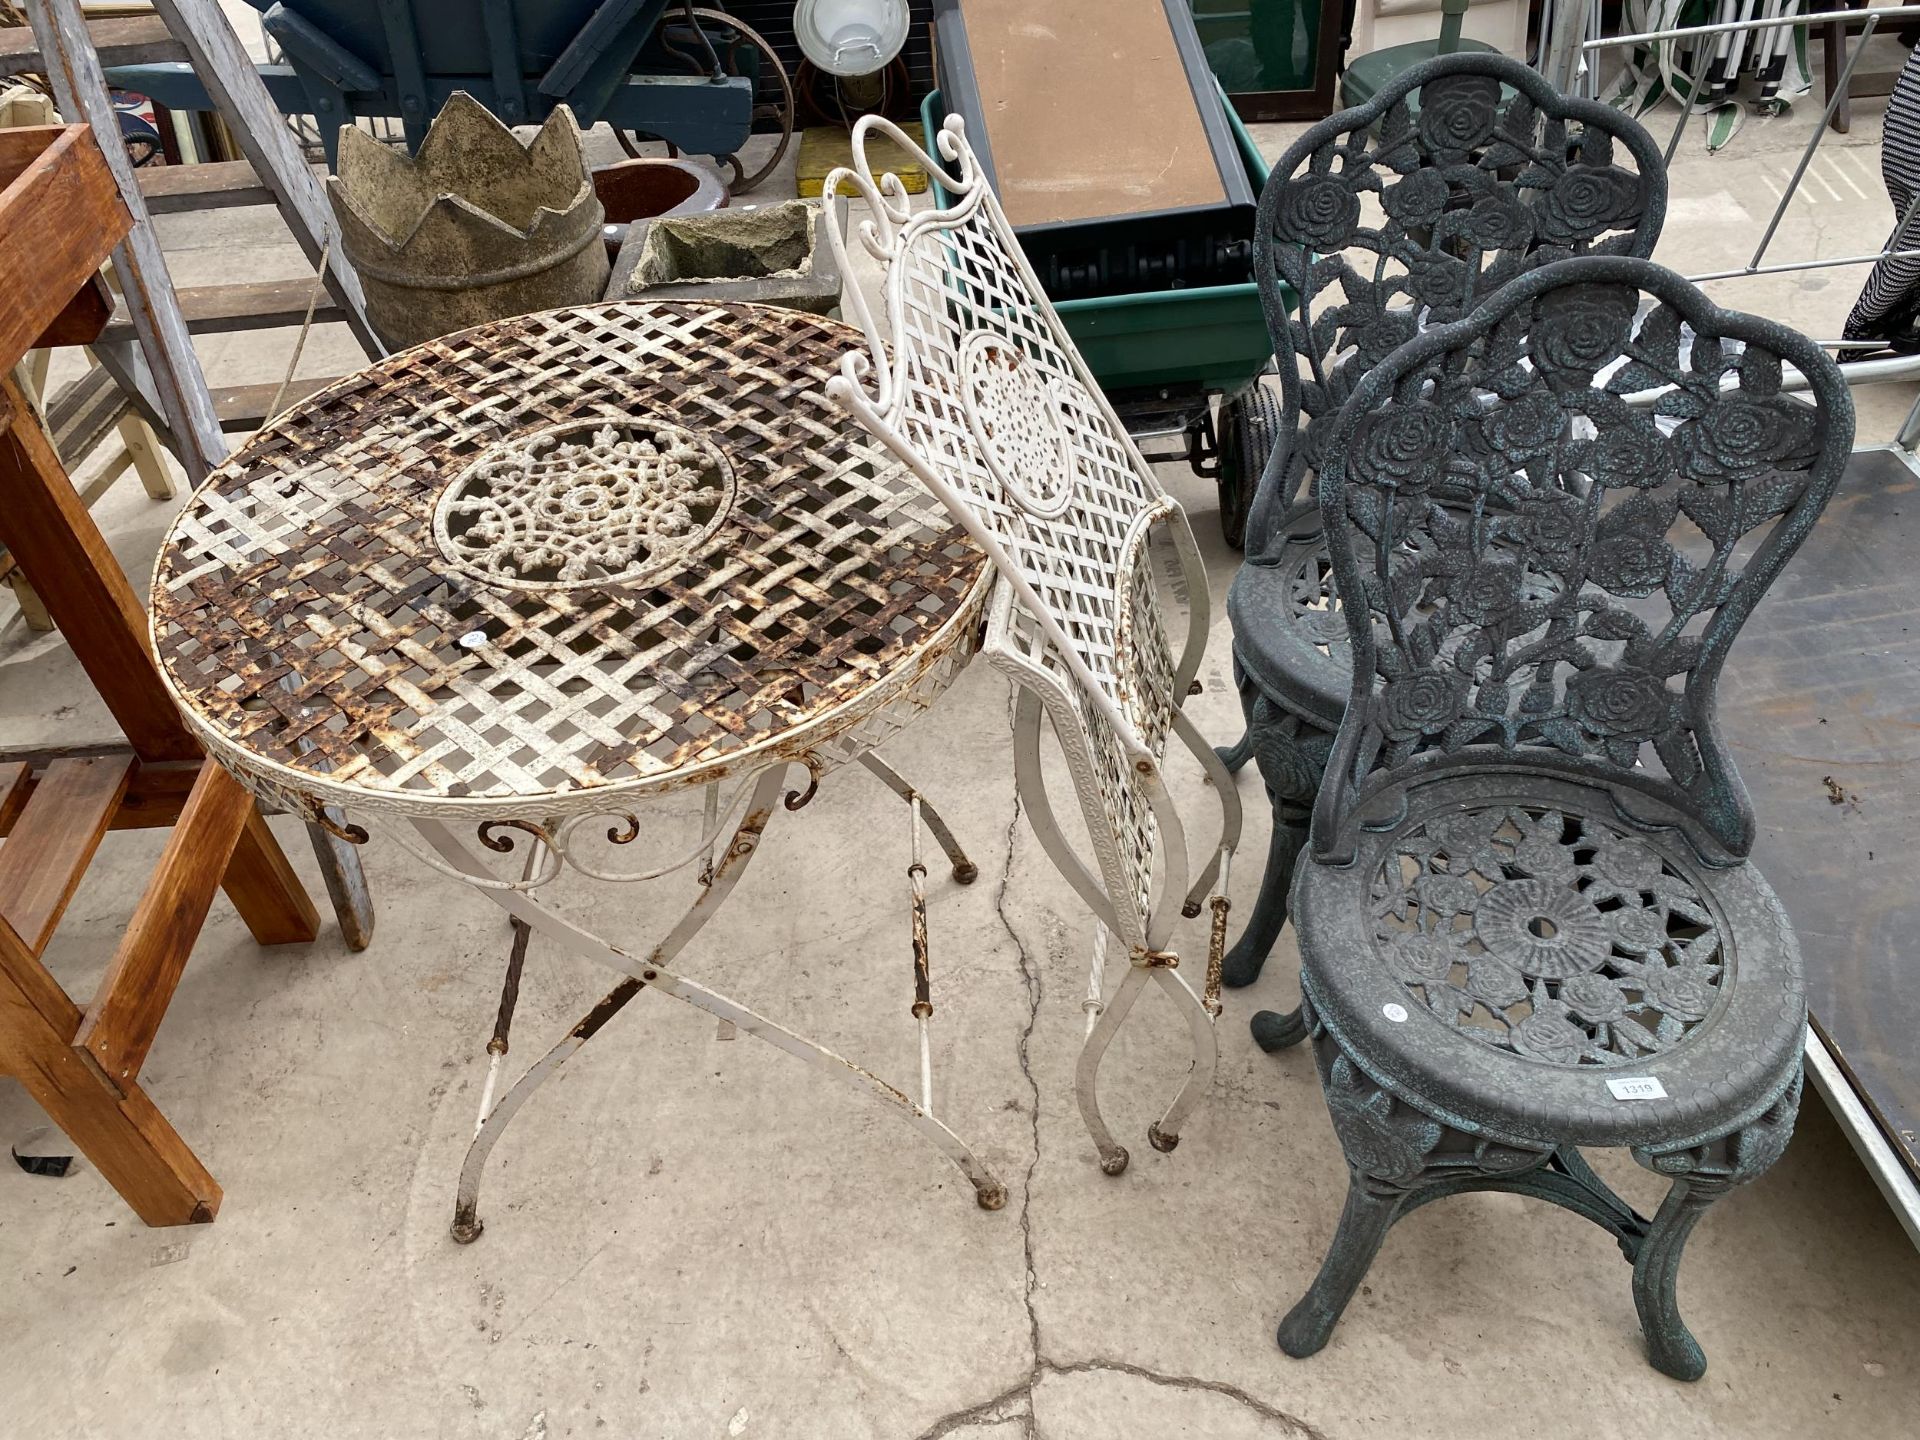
[1015, 1404]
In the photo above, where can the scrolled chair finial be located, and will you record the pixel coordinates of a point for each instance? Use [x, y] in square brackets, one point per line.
[866, 384]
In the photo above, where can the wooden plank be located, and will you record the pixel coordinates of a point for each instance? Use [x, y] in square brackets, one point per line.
[226, 69]
[155, 793]
[46, 528]
[83, 414]
[134, 40]
[125, 362]
[219, 185]
[16, 785]
[244, 407]
[120, 1025]
[253, 305]
[21, 145]
[346, 881]
[81, 319]
[51, 844]
[29, 991]
[80, 90]
[60, 218]
[261, 883]
[116, 1127]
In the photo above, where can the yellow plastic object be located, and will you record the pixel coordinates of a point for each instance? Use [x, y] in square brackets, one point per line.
[827, 146]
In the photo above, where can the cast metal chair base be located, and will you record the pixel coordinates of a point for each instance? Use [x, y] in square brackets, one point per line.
[1404, 1153]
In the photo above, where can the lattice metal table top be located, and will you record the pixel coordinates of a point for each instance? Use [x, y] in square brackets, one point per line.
[536, 566]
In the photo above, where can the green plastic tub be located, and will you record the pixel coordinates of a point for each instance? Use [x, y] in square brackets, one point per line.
[1213, 336]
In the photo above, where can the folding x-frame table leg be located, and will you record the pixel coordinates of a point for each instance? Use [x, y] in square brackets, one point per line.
[652, 971]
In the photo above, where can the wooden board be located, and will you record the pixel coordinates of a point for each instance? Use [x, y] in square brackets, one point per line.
[59, 217]
[47, 529]
[80, 89]
[156, 789]
[1821, 703]
[250, 305]
[224, 67]
[125, 1016]
[134, 40]
[171, 189]
[244, 407]
[115, 1126]
[48, 849]
[1088, 109]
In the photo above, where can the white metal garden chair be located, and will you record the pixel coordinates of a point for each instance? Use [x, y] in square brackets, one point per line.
[971, 379]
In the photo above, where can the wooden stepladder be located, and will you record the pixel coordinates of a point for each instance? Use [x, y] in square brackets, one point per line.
[60, 216]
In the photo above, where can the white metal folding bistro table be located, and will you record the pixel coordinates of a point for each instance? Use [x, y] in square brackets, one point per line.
[507, 586]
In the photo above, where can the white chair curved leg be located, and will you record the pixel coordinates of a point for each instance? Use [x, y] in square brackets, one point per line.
[989, 1192]
[1206, 1058]
[1221, 778]
[1086, 1080]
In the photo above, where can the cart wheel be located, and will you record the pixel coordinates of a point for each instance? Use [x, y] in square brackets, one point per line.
[1249, 424]
[731, 43]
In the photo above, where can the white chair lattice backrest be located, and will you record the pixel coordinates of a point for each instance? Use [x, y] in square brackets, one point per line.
[971, 378]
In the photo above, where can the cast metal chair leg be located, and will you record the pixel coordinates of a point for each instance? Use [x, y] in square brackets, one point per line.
[1236, 755]
[1164, 1135]
[1291, 752]
[1277, 1029]
[1701, 1174]
[1249, 953]
[1363, 1225]
[1671, 1348]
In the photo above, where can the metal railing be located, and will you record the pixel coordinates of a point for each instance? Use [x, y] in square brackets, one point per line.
[1882, 369]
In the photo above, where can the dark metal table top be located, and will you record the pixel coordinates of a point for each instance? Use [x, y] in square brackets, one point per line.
[1821, 699]
[543, 564]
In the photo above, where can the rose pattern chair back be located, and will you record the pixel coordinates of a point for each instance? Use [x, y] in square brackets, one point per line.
[1535, 571]
[1467, 194]
[971, 379]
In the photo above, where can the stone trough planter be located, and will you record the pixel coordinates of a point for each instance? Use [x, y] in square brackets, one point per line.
[773, 255]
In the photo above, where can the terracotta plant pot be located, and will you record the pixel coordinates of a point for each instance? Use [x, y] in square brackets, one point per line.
[646, 189]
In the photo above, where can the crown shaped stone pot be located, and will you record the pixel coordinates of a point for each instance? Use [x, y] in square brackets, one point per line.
[474, 227]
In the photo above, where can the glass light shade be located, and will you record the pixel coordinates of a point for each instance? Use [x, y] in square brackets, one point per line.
[851, 37]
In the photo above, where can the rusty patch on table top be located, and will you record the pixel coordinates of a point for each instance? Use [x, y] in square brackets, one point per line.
[305, 616]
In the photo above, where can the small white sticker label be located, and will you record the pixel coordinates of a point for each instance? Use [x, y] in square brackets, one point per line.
[1637, 1087]
[1396, 1013]
[473, 639]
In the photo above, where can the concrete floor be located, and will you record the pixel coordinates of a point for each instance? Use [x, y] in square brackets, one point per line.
[690, 1235]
